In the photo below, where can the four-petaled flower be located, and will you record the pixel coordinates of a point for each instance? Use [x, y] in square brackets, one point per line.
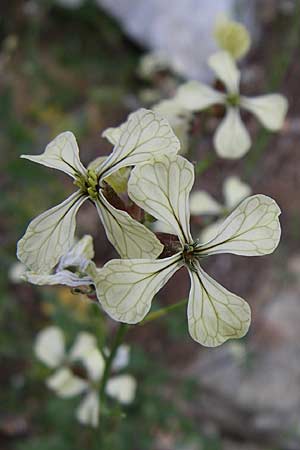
[125, 288]
[232, 139]
[80, 371]
[50, 235]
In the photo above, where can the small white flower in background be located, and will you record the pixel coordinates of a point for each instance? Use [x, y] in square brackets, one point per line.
[179, 118]
[50, 235]
[125, 288]
[232, 37]
[152, 63]
[232, 139]
[16, 272]
[50, 349]
[202, 203]
[71, 268]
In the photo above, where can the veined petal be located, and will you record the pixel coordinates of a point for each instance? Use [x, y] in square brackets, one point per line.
[125, 287]
[144, 135]
[85, 349]
[112, 134]
[210, 231]
[122, 388]
[50, 235]
[87, 412]
[62, 153]
[65, 384]
[226, 70]
[130, 238]
[161, 187]
[203, 203]
[235, 191]
[79, 254]
[215, 314]
[270, 109]
[65, 277]
[49, 346]
[252, 229]
[232, 139]
[196, 96]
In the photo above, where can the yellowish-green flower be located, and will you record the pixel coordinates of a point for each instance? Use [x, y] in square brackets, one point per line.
[232, 36]
[125, 288]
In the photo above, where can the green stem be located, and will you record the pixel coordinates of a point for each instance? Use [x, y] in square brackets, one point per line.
[122, 330]
[162, 312]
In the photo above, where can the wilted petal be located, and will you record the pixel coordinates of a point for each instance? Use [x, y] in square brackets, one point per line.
[226, 70]
[196, 96]
[252, 229]
[130, 238]
[122, 388]
[203, 203]
[50, 235]
[79, 254]
[85, 349]
[65, 384]
[232, 139]
[162, 188]
[125, 288]
[270, 109]
[62, 153]
[235, 191]
[87, 412]
[64, 277]
[49, 346]
[215, 314]
[144, 135]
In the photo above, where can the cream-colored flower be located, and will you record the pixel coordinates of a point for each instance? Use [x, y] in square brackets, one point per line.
[50, 235]
[202, 203]
[125, 288]
[50, 349]
[232, 139]
[232, 37]
[152, 63]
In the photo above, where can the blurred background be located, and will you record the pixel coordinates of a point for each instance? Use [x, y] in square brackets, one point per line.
[80, 66]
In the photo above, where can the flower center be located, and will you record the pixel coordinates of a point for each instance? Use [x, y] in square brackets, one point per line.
[233, 100]
[188, 254]
[88, 184]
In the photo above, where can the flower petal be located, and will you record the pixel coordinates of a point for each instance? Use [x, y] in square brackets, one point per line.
[161, 187]
[85, 350]
[65, 384]
[211, 230]
[122, 388]
[235, 191]
[196, 96]
[50, 235]
[232, 139]
[226, 70]
[65, 277]
[62, 153]
[252, 229]
[130, 238]
[125, 288]
[215, 314]
[79, 254]
[49, 346]
[112, 134]
[203, 203]
[270, 109]
[143, 135]
[87, 412]
[121, 359]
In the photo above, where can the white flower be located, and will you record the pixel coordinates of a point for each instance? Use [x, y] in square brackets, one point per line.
[71, 268]
[50, 235]
[178, 117]
[232, 36]
[202, 203]
[125, 288]
[16, 272]
[232, 139]
[153, 62]
[50, 349]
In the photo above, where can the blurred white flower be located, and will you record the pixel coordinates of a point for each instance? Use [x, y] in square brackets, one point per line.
[202, 203]
[16, 272]
[152, 63]
[66, 382]
[232, 139]
[232, 37]
[178, 117]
